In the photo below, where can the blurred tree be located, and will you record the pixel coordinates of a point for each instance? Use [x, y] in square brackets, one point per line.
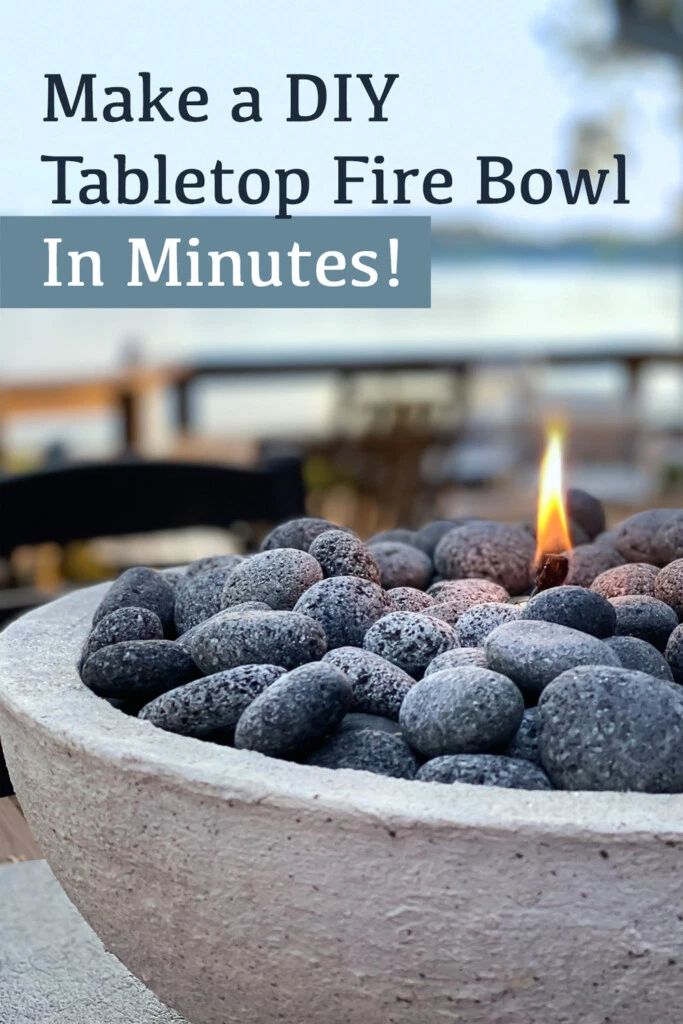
[650, 25]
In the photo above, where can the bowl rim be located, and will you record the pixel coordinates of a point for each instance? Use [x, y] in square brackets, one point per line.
[40, 687]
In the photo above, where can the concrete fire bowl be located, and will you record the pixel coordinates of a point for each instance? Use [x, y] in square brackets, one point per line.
[249, 890]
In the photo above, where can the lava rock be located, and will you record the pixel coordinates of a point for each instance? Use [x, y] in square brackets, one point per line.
[460, 595]
[410, 640]
[635, 536]
[586, 510]
[401, 565]
[457, 657]
[524, 744]
[138, 669]
[485, 770]
[477, 622]
[295, 712]
[123, 624]
[378, 686]
[140, 588]
[408, 599]
[345, 607]
[297, 533]
[211, 562]
[230, 639]
[674, 653]
[367, 750]
[210, 707]
[397, 534]
[341, 554]
[533, 653]
[587, 561]
[495, 551]
[186, 639]
[669, 586]
[574, 607]
[199, 597]
[429, 535]
[637, 654]
[461, 711]
[646, 618]
[355, 720]
[278, 577]
[668, 541]
[605, 728]
[624, 580]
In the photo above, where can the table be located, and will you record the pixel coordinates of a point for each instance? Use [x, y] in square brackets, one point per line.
[53, 968]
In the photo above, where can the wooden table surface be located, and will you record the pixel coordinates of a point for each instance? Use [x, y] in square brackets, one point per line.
[16, 841]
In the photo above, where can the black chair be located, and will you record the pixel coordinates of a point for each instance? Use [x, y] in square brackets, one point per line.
[89, 500]
[83, 501]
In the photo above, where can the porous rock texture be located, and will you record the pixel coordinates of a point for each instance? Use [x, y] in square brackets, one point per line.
[267, 841]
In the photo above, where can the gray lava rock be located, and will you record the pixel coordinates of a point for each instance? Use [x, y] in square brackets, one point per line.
[408, 599]
[341, 554]
[635, 536]
[606, 728]
[401, 565]
[123, 624]
[485, 770]
[461, 711]
[378, 686]
[586, 510]
[460, 595]
[674, 653]
[495, 551]
[345, 607]
[410, 640]
[186, 639]
[367, 750]
[624, 580]
[297, 533]
[210, 707]
[278, 577]
[356, 720]
[646, 618]
[211, 562]
[668, 541]
[480, 620]
[533, 653]
[140, 588]
[637, 654]
[669, 586]
[524, 744]
[587, 561]
[295, 712]
[199, 597]
[230, 639]
[138, 669]
[574, 607]
[456, 658]
[429, 535]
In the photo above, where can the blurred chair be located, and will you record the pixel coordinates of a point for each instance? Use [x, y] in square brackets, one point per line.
[80, 502]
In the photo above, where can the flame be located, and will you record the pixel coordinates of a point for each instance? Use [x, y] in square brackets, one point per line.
[552, 529]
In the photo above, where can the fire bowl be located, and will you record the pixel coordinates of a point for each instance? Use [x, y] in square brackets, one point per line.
[250, 890]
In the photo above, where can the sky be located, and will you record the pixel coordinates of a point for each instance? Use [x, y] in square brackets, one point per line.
[475, 78]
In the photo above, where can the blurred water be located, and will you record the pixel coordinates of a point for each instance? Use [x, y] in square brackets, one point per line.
[521, 308]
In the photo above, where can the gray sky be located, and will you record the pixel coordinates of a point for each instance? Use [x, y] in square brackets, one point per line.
[476, 77]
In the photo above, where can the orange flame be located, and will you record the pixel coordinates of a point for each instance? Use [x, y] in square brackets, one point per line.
[552, 529]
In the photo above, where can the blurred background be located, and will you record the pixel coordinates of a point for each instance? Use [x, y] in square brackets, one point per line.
[371, 418]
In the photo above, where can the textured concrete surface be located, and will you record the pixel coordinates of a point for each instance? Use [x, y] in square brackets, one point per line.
[245, 890]
[53, 968]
